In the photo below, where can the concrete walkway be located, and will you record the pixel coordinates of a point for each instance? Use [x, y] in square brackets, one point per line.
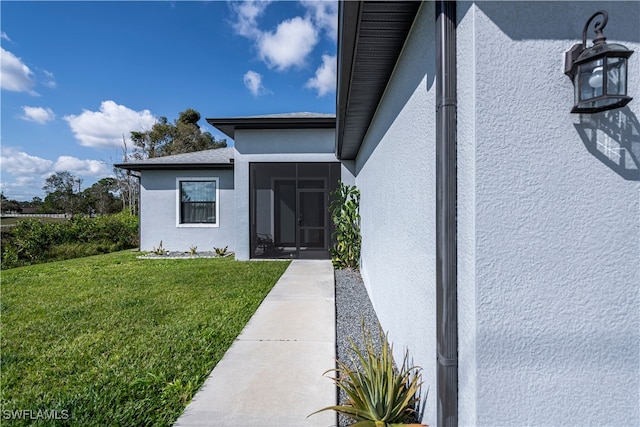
[272, 374]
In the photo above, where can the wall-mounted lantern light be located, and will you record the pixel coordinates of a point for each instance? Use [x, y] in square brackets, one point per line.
[599, 73]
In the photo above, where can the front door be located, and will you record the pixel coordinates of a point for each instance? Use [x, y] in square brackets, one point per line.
[312, 227]
[289, 214]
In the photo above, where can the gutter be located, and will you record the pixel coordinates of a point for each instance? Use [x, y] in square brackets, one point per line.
[176, 166]
[228, 126]
[446, 226]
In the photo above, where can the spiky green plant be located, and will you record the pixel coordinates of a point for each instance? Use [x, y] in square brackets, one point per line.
[159, 250]
[378, 394]
[193, 250]
[221, 251]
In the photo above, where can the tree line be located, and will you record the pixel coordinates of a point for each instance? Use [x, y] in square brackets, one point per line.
[64, 193]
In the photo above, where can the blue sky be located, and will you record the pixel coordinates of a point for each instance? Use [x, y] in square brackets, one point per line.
[76, 76]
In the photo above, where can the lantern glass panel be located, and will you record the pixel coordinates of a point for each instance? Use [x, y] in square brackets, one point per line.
[616, 76]
[590, 76]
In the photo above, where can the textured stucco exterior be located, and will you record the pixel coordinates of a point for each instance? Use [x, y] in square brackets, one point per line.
[284, 145]
[548, 219]
[395, 172]
[549, 234]
[158, 211]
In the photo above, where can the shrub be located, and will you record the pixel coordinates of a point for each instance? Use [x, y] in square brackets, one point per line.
[32, 241]
[81, 229]
[120, 229]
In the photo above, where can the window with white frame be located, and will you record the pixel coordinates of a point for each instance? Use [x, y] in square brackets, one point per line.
[197, 202]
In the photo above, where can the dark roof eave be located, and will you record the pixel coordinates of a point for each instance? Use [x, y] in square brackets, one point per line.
[371, 35]
[228, 126]
[348, 11]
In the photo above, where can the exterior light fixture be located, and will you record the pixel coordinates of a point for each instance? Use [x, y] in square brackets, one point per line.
[599, 73]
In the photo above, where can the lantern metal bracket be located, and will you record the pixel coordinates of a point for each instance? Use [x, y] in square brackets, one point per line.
[572, 54]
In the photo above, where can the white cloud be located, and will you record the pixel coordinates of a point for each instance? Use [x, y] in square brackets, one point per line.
[20, 163]
[106, 127]
[27, 173]
[292, 40]
[23, 188]
[48, 79]
[325, 78]
[248, 13]
[325, 15]
[37, 114]
[24, 181]
[253, 82]
[15, 76]
[289, 45]
[81, 167]
[4, 36]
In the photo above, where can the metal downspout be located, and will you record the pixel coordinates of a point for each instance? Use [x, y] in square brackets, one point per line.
[446, 228]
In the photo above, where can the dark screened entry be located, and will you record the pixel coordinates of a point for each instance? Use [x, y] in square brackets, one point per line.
[289, 209]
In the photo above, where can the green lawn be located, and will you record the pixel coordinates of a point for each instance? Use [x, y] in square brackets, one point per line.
[115, 340]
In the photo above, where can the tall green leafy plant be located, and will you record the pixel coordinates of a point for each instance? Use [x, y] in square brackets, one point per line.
[345, 214]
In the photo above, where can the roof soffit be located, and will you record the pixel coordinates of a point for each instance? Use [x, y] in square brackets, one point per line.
[371, 37]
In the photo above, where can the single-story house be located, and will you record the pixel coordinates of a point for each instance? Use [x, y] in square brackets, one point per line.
[265, 197]
[500, 231]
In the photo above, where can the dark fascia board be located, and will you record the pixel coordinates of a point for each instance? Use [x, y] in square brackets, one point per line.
[172, 166]
[349, 12]
[228, 126]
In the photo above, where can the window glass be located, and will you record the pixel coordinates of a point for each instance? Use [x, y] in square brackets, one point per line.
[198, 202]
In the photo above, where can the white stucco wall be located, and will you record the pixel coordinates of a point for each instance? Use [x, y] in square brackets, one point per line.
[158, 208]
[549, 230]
[286, 145]
[396, 176]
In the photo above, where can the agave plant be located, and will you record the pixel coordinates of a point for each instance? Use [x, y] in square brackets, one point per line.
[378, 394]
[160, 250]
